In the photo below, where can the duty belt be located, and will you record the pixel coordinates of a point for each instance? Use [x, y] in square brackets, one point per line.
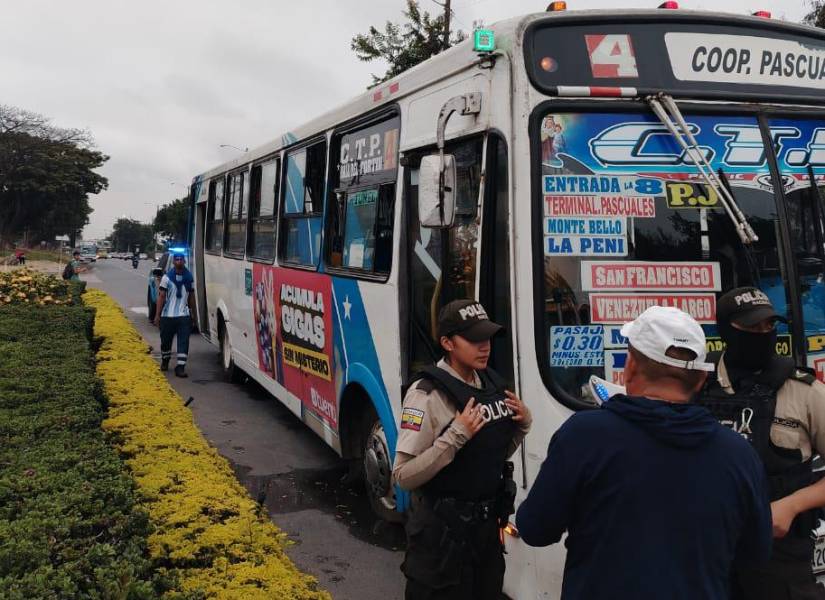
[467, 510]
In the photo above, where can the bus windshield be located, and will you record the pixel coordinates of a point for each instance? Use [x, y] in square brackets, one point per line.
[627, 222]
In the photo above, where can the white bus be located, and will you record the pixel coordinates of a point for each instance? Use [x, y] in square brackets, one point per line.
[594, 163]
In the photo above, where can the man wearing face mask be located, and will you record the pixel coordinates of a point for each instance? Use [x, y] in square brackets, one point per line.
[781, 411]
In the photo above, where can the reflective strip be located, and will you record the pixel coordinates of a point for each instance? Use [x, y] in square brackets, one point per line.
[588, 91]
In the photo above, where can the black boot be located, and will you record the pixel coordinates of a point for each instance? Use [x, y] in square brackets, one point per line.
[164, 364]
[179, 371]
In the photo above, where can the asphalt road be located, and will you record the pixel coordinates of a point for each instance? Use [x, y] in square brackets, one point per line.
[280, 461]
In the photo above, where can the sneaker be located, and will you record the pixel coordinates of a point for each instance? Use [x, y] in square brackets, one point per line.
[180, 372]
[164, 364]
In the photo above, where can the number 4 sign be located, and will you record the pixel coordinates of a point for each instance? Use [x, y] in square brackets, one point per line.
[611, 55]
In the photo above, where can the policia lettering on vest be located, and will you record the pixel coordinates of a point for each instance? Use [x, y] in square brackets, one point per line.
[458, 428]
[781, 411]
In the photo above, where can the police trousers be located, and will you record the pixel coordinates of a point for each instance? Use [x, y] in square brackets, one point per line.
[442, 563]
[171, 327]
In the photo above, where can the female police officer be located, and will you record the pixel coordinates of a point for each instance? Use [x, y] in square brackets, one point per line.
[458, 427]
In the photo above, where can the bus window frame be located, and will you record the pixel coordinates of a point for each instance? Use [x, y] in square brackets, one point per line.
[285, 218]
[332, 203]
[244, 173]
[250, 256]
[761, 115]
[211, 202]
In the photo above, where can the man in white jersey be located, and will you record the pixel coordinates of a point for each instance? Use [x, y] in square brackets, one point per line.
[175, 313]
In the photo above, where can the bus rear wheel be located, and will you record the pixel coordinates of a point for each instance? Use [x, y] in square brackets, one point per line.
[230, 371]
[377, 470]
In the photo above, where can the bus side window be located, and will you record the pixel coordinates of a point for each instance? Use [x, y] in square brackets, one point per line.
[360, 222]
[214, 216]
[236, 215]
[303, 205]
[362, 225]
[263, 191]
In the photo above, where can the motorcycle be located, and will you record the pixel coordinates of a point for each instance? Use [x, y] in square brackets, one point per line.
[134, 262]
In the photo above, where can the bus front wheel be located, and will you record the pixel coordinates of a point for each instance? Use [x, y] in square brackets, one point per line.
[377, 469]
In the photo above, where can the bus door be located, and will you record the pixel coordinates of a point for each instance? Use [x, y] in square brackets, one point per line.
[468, 260]
[197, 249]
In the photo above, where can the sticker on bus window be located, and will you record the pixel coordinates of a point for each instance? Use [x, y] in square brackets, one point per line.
[623, 308]
[576, 346]
[815, 343]
[593, 206]
[684, 194]
[585, 236]
[613, 338]
[817, 363]
[784, 345]
[614, 363]
[650, 276]
[561, 245]
[611, 56]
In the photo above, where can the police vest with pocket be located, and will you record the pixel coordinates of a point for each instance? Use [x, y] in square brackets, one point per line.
[475, 472]
[751, 411]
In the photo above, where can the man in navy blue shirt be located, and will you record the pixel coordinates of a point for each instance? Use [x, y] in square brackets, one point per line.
[657, 498]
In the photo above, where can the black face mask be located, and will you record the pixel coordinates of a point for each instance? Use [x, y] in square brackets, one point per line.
[748, 350]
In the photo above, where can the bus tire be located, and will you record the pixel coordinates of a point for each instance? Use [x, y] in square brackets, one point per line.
[376, 466]
[230, 372]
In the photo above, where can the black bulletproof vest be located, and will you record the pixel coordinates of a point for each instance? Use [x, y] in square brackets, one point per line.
[475, 472]
[750, 411]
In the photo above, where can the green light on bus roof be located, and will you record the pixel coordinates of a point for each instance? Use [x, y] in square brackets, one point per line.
[484, 40]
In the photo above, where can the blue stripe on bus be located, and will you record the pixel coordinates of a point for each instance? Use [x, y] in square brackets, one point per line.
[358, 359]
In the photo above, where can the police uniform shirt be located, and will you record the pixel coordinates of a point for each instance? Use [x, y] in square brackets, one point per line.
[174, 306]
[430, 436]
[799, 420]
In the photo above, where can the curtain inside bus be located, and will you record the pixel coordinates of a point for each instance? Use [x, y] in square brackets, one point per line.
[627, 222]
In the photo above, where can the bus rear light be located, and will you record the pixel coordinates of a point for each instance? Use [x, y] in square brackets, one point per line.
[557, 6]
[764, 14]
[670, 5]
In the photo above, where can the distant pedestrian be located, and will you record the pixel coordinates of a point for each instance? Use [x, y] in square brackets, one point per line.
[20, 256]
[175, 311]
[73, 268]
[657, 498]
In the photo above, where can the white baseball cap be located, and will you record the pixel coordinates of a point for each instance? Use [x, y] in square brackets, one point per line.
[662, 327]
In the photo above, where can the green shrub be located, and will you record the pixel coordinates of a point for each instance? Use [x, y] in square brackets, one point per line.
[69, 523]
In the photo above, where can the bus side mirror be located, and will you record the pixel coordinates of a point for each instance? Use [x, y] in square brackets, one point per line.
[436, 192]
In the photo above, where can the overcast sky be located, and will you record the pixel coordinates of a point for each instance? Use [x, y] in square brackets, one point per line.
[161, 84]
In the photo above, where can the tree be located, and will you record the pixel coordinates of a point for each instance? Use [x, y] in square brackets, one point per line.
[127, 234]
[172, 219]
[404, 46]
[816, 16]
[46, 175]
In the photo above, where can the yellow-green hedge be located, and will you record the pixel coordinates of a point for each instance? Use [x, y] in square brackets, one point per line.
[208, 530]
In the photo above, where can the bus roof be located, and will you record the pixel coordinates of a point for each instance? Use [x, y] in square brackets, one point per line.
[508, 35]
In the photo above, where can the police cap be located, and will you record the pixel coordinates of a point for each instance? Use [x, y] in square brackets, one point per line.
[468, 319]
[745, 306]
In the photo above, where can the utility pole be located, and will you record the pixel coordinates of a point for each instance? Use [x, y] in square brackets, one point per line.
[446, 24]
[447, 13]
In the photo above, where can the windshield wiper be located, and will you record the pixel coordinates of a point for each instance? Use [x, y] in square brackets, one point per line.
[680, 130]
